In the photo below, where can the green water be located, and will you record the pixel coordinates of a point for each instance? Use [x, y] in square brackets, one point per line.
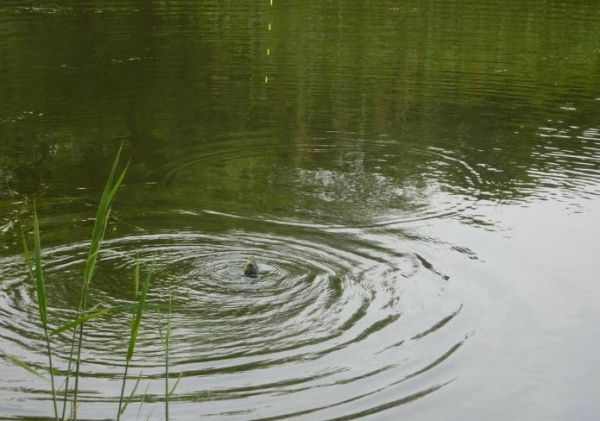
[419, 182]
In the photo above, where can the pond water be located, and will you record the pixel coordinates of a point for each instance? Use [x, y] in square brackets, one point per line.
[419, 182]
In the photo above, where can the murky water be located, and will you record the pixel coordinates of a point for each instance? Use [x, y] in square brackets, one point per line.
[419, 182]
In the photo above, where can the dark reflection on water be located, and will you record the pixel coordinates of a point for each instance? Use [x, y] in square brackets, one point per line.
[412, 177]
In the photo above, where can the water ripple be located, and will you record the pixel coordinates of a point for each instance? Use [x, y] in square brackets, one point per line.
[366, 183]
[325, 323]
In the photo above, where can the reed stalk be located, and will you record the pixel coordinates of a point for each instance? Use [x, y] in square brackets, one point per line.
[36, 273]
[167, 342]
[101, 221]
[135, 327]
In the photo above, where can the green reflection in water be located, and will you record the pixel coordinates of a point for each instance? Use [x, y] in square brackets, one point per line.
[325, 137]
[78, 80]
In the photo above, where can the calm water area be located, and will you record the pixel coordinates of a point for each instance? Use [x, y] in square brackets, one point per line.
[419, 182]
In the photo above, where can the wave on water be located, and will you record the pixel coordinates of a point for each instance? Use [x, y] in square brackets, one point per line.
[324, 184]
[330, 327]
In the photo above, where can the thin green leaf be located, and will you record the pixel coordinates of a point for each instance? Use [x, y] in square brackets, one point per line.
[130, 397]
[166, 341]
[35, 267]
[101, 221]
[136, 278]
[37, 254]
[138, 318]
[93, 315]
[27, 254]
[164, 334]
[160, 329]
[23, 364]
[150, 415]
[36, 273]
[102, 214]
[100, 224]
[100, 312]
[135, 325]
[168, 337]
[142, 400]
[175, 385]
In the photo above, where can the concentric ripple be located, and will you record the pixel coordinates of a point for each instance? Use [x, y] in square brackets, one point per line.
[326, 328]
[336, 181]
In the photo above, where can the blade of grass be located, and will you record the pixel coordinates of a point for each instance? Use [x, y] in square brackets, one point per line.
[101, 222]
[135, 327]
[36, 273]
[24, 364]
[130, 397]
[175, 385]
[136, 279]
[95, 314]
[150, 414]
[90, 315]
[40, 282]
[167, 342]
[68, 375]
[138, 317]
[142, 400]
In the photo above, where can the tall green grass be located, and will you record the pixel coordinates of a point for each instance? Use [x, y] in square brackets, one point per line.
[34, 264]
[167, 342]
[137, 309]
[135, 327]
[165, 337]
[101, 222]
[36, 272]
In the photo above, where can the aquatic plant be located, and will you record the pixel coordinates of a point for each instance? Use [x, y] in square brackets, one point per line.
[35, 269]
[137, 309]
[166, 340]
[36, 272]
[135, 327]
[104, 208]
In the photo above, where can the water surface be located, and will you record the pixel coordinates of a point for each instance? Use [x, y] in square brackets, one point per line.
[419, 182]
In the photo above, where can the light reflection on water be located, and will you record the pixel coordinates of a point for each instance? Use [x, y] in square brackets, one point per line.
[418, 182]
